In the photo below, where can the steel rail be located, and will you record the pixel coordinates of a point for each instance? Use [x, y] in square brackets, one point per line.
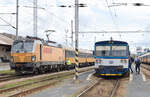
[114, 89]
[52, 77]
[145, 67]
[89, 88]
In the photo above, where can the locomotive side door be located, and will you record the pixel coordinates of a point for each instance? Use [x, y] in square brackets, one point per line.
[40, 51]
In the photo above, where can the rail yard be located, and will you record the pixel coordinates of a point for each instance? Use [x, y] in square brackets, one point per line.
[74, 48]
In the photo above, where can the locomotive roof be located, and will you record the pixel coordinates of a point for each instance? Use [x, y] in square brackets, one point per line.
[111, 42]
[41, 41]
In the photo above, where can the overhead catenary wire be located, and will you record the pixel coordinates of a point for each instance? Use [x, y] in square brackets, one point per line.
[7, 23]
[111, 13]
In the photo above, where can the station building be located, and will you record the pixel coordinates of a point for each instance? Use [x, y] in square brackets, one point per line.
[5, 48]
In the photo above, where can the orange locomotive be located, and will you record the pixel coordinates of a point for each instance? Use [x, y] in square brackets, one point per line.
[38, 56]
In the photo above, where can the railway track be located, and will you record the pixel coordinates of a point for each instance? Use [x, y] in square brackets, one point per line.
[146, 70]
[116, 85]
[147, 67]
[35, 85]
[110, 92]
[14, 76]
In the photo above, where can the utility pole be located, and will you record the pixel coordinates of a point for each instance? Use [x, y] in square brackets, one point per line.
[17, 13]
[66, 37]
[77, 5]
[72, 33]
[76, 38]
[35, 18]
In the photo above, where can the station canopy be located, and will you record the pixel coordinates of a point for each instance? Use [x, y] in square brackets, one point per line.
[4, 40]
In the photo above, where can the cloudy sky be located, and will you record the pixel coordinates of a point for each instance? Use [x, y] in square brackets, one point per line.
[95, 17]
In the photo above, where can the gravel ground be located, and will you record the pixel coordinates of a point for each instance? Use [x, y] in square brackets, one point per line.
[102, 89]
[121, 91]
[105, 86]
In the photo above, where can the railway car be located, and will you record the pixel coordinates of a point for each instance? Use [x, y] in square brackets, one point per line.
[145, 58]
[111, 58]
[86, 57]
[38, 56]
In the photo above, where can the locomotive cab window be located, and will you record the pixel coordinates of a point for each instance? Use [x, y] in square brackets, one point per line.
[119, 51]
[23, 46]
[102, 50]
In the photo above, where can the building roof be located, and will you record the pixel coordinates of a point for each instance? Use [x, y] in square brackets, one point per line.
[4, 40]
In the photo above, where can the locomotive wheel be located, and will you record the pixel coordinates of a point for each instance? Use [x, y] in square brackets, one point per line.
[36, 71]
[42, 70]
[58, 69]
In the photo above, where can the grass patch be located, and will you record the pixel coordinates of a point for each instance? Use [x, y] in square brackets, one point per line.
[27, 81]
[34, 80]
[7, 72]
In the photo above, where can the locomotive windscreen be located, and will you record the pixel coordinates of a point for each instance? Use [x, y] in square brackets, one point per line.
[22, 46]
[102, 50]
[119, 51]
[114, 51]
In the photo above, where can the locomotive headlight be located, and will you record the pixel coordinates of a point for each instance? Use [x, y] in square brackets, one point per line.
[98, 61]
[125, 61]
[121, 60]
[33, 58]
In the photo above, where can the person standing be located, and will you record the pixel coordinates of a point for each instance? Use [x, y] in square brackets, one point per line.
[131, 60]
[137, 63]
[68, 64]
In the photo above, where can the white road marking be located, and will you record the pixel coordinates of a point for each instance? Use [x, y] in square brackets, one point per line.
[89, 76]
[143, 76]
[131, 77]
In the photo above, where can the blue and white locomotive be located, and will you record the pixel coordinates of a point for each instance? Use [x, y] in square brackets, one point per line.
[111, 58]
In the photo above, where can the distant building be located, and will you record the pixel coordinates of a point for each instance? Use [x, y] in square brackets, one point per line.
[5, 48]
[139, 51]
[146, 50]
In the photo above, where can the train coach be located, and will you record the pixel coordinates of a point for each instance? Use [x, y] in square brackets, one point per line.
[145, 58]
[86, 57]
[34, 55]
[111, 58]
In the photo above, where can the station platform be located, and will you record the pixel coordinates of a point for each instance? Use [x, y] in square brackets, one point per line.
[138, 86]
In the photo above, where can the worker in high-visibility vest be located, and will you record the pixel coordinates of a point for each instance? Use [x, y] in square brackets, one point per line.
[68, 64]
